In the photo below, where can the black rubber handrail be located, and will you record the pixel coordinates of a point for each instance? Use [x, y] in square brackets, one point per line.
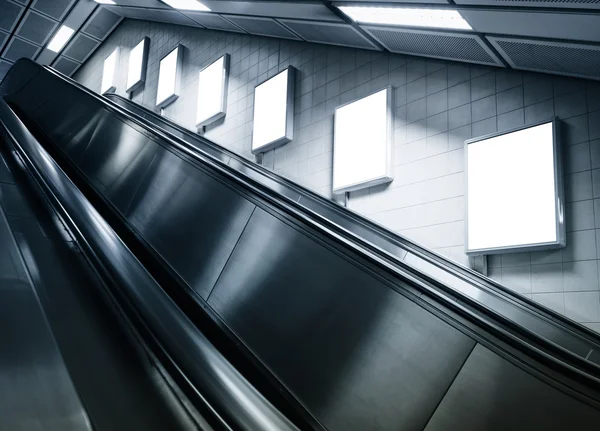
[234, 400]
[519, 337]
[447, 265]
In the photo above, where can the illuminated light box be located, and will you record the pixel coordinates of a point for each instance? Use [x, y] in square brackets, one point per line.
[274, 111]
[515, 191]
[138, 62]
[363, 142]
[169, 77]
[109, 73]
[212, 92]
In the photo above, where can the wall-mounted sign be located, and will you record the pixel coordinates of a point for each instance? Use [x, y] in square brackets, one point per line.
[363, 142]
[213, 83]
[515, 191]
[274, 111]
[169, 77]
[138, 62]
[109, 72]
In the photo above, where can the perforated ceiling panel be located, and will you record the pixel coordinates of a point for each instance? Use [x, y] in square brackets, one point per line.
[18, 48]
[102, 23]
[80, 47]
[577, 60]
[448, 46]
[66, 66]
[571, 4]
[10, 13]
[4, 67]
[56, 9]
[36, 27]
[168, 16]
[213, 21]
[262, 26]
[313, 10]
[330, 33]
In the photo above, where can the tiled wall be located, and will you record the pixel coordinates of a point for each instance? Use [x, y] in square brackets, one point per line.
[438, 105]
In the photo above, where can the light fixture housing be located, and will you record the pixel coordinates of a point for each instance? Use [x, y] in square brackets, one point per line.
[213, 84]
[60, 39]
[138, 64]
[109, 72]
[187, 5]
[169, 77]
[273, 123]
[515, 191]
[407, 16]
[105, 2]
[363, 142]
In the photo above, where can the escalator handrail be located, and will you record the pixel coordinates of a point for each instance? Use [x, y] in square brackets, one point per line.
[236, 402]
[464, 273]
[527, 340]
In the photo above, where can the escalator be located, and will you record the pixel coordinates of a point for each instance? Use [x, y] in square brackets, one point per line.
[338, 323]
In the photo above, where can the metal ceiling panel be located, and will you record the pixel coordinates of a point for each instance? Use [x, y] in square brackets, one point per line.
[19, 48]
[80, 47]
[36, 27]
[4, 67]
[582, 61]
[262, 26]
[392, 2]
[11, 12]
[168, 16]
[102, 23]
[3, 39]
[315, 10]
[66, 66]
[573, 26]
[448, 46]
[329, 33]
[56, 9]
[571, 4]
[213, 21]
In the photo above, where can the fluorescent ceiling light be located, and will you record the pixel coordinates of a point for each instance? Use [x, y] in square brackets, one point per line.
[109, 73]
[212, 92]
[105, 1]
[187, 5]
[407, 16]
[60, 39]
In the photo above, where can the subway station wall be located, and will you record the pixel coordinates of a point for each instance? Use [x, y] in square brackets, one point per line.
[439, 104]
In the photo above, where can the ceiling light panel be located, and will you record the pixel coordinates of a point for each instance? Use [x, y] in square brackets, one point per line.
[105, 2]
[407, 17]
[187, 5]
[60, 39]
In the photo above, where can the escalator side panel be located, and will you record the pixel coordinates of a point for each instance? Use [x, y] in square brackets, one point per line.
[490, 393]
[358, 354]
[191, 219]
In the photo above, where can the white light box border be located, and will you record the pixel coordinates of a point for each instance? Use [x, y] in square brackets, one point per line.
[362, 146]
[212, 105]
[138, 65]
[109, 77]
[164, 100]
[285, 101]
[518, 201]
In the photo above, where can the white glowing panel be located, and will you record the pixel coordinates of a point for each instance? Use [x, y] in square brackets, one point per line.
[212, 92]
[274, 112]
[514, 191]
[109, 73]
[169, 77]
[362, 142]
[138, 62]
[407, 16]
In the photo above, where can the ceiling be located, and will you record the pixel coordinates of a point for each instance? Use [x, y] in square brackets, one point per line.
[552, 36]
